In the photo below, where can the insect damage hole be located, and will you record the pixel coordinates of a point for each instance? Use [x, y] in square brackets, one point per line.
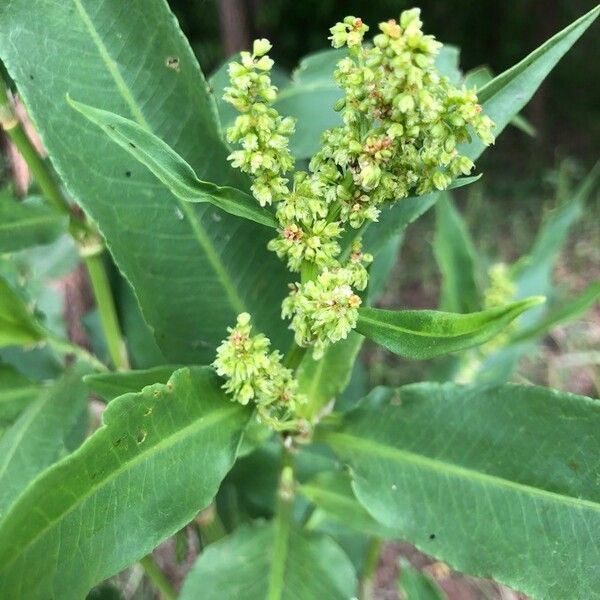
[141, 436]
[173, 63]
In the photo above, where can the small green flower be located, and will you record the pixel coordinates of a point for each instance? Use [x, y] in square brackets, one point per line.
[323, 311]
[254, 373]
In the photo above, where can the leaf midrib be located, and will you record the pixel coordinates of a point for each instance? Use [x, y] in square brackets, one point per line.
[414, 332]
[370, 446]
[199, 231]
[201, 422]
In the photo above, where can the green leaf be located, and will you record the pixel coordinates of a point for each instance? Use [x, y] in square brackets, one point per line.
[193, 267]
[17, 326]
[157, 460]
[25, 224]
[16, 393]
[422, 334]
[322, 380]
[534, 272]
[172, 170]
[241, 566]
[415, 585]
[478, 78]
[499, 482]
[331, 493]
[395, 218]
[309, 98]
[457, 259]
[113, 384]
[505, 96]
[566, 311]
[448, 63]
[40, 435]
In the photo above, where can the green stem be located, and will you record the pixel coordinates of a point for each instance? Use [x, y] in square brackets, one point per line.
[282, 522]
[370, 568]
[158, 578]
[38, 167]
[64, 347]
[107, 310]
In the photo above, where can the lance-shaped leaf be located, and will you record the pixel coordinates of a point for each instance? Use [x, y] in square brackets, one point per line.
[192, 267]
[500, 482]
[157, 460]
[566, 311]
[27, 224]
[422, 334]
[481, 76]
[505, 96]
[111, 385]
[17, 326]
[456, 258]
[171, 169]
[243, 565]
[40, 436]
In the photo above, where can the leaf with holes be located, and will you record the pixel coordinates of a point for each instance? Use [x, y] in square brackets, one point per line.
[157, 460]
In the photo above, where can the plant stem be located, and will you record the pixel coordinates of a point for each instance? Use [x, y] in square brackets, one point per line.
[39, 168]
[210, 525]
[107, 310]
[158, 578]
[370, 569]
[282, 523]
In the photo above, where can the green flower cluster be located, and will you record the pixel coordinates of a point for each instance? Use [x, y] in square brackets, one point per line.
[323, 311]
[501, 288]
[402, 126]
[261, 131]
[254, 373]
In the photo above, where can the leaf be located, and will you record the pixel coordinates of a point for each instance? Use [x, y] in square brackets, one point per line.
[415, 585]
[422, 334]
[24, 224]
[322, 380]
[40, 435]
[240, 566]
[505, 96]
[331, 492]
[478, 78]
[157, 460]
[457, 259]
[565, 312]
[16, 393]
[17, 326]
[499, 482]
[534, 272]
[396, 217]
[448, 63]
[172, 170]
[111, 385]
[309, 98]
[193, 267]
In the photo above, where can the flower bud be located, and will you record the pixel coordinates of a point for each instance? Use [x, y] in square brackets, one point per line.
[261, 47]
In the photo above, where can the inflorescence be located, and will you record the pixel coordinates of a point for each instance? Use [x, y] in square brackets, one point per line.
[402, 125]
